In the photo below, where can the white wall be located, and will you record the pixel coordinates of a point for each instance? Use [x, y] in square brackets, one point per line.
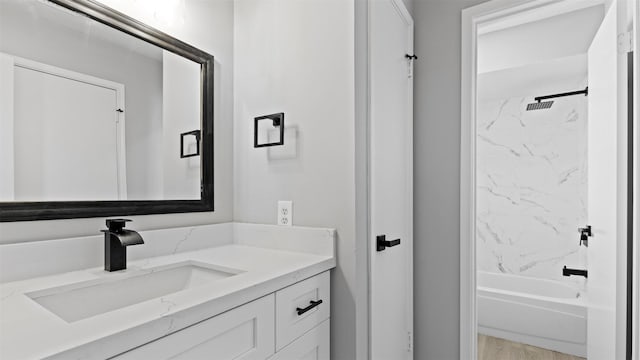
[531, 185]
[206, 24]
[298, 57]
[532, 172]
[437, 178]
[7, 157]
[180, 113]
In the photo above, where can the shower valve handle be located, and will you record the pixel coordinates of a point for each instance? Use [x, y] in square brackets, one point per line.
[585, 233]
[585, 230]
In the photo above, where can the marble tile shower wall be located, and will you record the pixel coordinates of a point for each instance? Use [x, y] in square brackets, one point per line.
[531, 186]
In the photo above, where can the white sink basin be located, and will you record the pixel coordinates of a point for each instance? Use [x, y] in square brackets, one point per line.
[86, 299]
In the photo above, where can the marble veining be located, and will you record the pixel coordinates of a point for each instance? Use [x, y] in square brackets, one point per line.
[185, 238]
[531, 186]
[87, 252]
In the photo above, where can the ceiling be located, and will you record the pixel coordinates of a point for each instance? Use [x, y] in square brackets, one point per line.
[531, 58]
[549, 77]
[538, 41]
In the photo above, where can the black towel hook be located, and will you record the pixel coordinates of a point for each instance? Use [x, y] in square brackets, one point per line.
[411, 57]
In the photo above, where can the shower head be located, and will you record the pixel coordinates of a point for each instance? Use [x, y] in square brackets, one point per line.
[540, 105]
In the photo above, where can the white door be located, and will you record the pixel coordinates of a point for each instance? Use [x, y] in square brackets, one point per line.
[66, 141]
[391, 184]
[606, 195]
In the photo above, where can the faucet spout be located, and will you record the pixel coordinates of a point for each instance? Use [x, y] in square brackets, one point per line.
[126, 237]
[116, 240]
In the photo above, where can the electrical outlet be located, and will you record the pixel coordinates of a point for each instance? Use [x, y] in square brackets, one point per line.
[285, 213]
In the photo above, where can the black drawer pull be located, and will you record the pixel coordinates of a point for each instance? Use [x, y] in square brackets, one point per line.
[311, 306]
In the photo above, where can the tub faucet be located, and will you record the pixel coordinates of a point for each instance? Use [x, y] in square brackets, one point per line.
[568, 272]
[116, 240]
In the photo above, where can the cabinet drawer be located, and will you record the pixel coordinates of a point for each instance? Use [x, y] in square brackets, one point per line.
[297, 308]
[314, 345]
[245, 332]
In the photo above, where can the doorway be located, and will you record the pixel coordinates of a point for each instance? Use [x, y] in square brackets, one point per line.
[544, 156]
[36, 108]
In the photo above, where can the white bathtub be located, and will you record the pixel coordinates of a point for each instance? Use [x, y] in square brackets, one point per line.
[543, 313]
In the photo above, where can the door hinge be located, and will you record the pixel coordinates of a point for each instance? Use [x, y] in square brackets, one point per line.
[410, 60]
[119, 111]
[625, 42]
[410, 339]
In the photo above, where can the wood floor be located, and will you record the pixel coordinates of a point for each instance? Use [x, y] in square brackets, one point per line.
[491, 348]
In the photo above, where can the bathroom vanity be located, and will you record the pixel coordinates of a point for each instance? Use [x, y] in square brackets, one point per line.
[260, 292]
[134, 107]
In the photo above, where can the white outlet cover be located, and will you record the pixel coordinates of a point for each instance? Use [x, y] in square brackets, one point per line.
[285, 213]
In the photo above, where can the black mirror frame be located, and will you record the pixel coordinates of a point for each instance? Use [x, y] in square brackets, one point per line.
[50, 210]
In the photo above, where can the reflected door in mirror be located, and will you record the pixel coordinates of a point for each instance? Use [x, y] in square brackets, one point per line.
[96, 113]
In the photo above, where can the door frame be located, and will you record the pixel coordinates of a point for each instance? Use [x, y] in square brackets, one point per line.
[491, 13]
[87, 79]
[635, 282]
[370, 238]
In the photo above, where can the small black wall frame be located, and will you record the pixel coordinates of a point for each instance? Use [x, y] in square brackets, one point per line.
[277, 121]
[195, 133]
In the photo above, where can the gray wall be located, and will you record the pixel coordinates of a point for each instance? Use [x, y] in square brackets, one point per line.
[361, 59]
[409, 5]
[437, 178]
[306, 69]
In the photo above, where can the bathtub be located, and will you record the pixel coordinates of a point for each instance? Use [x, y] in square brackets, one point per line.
[543, 313]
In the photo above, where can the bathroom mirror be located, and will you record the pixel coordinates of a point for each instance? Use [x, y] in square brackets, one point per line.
[100, 115]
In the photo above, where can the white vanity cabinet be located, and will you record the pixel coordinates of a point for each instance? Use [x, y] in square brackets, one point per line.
[245, 332]
[290, 324]
[313, 345]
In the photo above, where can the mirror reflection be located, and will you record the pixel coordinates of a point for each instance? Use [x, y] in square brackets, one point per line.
[89, 113]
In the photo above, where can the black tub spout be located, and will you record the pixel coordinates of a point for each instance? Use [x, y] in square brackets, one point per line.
[568, 272]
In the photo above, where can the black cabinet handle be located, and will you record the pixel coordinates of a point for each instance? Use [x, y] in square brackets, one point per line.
[382, 243]
[312, 304]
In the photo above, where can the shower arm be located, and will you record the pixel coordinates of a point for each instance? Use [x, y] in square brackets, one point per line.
[584, 92]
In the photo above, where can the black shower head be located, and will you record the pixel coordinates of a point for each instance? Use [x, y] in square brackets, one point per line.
[540, 105]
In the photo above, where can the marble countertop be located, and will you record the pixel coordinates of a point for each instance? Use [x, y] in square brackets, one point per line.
[29, 331]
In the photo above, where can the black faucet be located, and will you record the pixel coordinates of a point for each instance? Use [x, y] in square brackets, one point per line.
[116, 240]
[569, 272]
